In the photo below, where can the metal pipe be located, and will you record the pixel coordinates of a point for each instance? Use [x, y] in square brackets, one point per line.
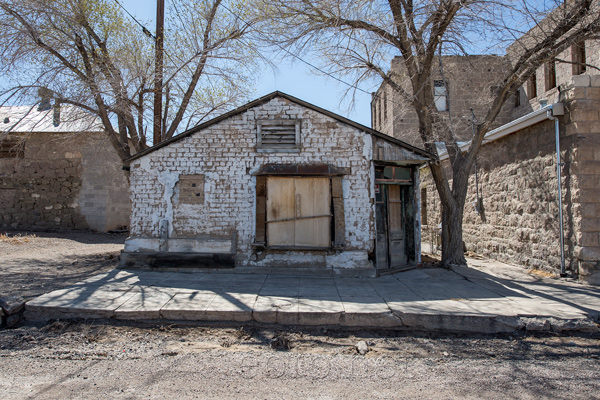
[477, 201]
[563, 272]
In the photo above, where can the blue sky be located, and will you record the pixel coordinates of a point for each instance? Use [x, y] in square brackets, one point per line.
[294, 78]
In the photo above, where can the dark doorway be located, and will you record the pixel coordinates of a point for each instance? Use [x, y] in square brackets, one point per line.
[393, 218]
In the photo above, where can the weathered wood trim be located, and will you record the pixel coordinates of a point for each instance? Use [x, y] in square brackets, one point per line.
[301, 170]
[339, 221]
[261, 209]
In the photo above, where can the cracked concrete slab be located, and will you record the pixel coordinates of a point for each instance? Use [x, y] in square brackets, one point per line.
[463, 299]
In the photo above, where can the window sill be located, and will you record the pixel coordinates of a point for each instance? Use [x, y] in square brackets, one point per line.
[277, 150]
[263, 246]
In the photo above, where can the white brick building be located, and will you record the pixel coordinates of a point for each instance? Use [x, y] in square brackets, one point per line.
[280, 185]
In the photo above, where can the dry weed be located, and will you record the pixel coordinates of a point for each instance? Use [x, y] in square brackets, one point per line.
[16, 239]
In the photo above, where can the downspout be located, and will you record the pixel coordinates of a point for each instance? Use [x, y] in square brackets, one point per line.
[563, 272]
[478, 200]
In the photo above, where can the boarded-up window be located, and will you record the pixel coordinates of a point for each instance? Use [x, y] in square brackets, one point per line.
[191, 189]
[278, 135]
[299, 212]
[11, 148]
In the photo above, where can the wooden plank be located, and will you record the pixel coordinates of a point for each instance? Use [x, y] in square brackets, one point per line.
[280, 205]
[281, 233]
[339, 222]
[337, 189]
[312, 199]
[261, 186]
[395, 211]
[261, 215]
[261, 209]
[396, 227]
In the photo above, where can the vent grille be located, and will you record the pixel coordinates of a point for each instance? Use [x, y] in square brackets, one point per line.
[278, 133]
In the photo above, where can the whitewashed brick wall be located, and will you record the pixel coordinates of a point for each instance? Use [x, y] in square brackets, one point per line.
[225, 153]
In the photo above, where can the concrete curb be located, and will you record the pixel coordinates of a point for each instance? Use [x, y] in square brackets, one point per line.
[450, 323]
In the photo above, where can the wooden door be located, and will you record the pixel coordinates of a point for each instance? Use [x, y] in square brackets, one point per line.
[381, 222]
[299, 212]
[397, 253]
[281, 212]
[390, 222]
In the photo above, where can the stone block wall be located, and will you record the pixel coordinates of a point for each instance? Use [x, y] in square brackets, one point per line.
[583, 124]
[518, 184]
[470, 81]
[63, 181]
[225, 154]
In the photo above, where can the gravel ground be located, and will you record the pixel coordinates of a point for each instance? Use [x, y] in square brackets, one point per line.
[32, 264]
[120, 360]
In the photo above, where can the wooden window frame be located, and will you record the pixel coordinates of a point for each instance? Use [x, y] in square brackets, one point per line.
[532, 86]
[550, 75]
[578, 57]
[439, 83]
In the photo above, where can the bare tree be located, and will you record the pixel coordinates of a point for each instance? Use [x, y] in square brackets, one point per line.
[357, 38]
[89, 54]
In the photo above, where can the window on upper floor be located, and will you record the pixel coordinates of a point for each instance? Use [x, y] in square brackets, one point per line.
[385, 105]
[578, 58]
[278, 135]
[550, 74]
[532, 86]
[374, 113]
[379, 110]
[440, 95]
[517, 98]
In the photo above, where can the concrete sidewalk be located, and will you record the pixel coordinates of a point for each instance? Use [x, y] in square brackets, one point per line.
[487, 297]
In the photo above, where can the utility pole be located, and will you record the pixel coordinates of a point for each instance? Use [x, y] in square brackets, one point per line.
[158, 70]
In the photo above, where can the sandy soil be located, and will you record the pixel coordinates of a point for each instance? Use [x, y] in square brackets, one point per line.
[32, 264]
[103, 359]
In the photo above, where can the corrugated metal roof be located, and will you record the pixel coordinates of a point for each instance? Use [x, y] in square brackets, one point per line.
[24, 119]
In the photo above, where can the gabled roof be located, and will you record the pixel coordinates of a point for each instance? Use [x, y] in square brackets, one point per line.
[25, 119]
[266, 99]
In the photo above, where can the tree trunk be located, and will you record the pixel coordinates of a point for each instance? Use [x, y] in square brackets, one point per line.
[452, 218]
[452, 239]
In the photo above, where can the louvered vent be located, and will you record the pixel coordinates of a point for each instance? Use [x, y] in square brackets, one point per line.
[278, 134]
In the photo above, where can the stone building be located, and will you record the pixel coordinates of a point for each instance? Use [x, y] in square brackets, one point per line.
[467, 82]
[59, 171]
[277, 185]
[512, 205]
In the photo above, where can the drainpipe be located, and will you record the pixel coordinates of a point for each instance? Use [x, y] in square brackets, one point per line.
[563, 272]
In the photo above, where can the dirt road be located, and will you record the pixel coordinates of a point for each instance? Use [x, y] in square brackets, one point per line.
[118, 360]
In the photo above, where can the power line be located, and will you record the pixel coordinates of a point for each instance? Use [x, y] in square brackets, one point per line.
[300, 58]
[144, 29]
[354, 86]
[149, 34]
